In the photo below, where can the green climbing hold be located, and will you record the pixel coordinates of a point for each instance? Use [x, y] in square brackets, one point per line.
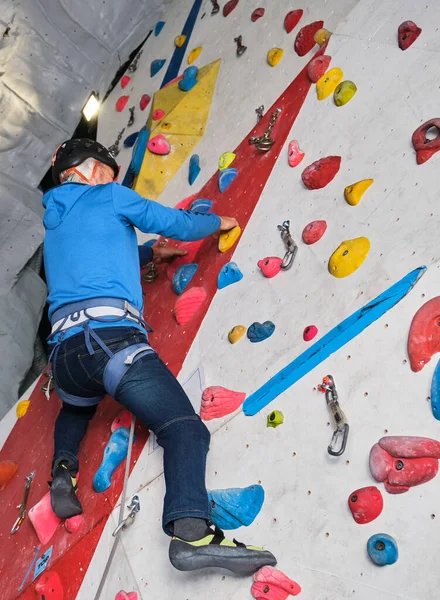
[344, 93]
[275, 418]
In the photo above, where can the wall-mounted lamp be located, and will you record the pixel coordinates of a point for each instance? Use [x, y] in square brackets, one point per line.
[91, 107]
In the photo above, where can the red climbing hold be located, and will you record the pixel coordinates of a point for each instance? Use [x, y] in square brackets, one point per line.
[229, 7]
[121, 103]
[304, 41]
[365, 504]
[144, 101]
[73, 524]
[317, 67]
[122, 419]
[407, 446]
[125, 81]
[321, 172]
[127, 596]
[158, 114]
[257, 14]
[192, 249]
[309, 333]
[271, 584]
[270, 266]
[423, 146]
[188, 304]
[292, 19]
[49, 587]
[313, 232]
[424, 334]
[218, 402]
[407, 34]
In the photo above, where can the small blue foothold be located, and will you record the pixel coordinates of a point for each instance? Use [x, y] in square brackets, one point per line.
[382, 549]
[139, 150]
[131, 139]
[191, 72]
[235, 507]
[435, 392]
[187, 84]
[159, 27]
[183, 276]
[229, 274]
[258, 332]
[114, 454]
[156, 66]
[226, 177]
[201, 205]
[194, 168]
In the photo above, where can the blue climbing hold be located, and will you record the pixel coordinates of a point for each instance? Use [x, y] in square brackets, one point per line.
[258, 332]
[229, 274]
[435, 392]
[187, 84]
[226, 177]
[191, 72]
[235, 507]
[156, 66]
[183, 276]
[114, 454]
[194, 168]
[201, 205]
[159, 27]
[382, 549]
[139, 150]
[131, 139]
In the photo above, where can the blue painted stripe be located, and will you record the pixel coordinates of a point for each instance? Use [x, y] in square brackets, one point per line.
[179, 53]
[330, 343]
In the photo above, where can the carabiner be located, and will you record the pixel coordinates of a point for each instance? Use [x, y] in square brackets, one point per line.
[22, 506]
[134, 507]
[336, 435]
[342, 428]
[292, 248]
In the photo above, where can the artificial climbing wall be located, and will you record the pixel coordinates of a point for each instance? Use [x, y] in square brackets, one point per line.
[305, 519]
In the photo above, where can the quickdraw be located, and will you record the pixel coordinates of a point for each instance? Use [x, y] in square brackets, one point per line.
[289, 242]
[342, 428]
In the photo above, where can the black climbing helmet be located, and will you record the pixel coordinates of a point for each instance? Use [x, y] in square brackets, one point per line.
[75, 151]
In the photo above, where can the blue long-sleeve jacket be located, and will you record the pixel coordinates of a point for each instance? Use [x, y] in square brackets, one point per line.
[90, 247]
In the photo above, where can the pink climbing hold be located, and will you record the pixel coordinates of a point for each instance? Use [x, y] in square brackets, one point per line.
[159, 145]
[410, 446]
[49, 587]
[229, 7]
[188, 304]
[313, 232]
[192, 249]
[424, 334]
[321, 172]
[121, 103]
[218, 402]
[270, 266]
[257, 14]
[127, 595]
[305, 41]
[292, 19]
[310, 332]
[158, 114]
[125, 81]
[122, 419]
[407, 34]
[43, 519]
[144, 101]
[272, 584]
[73, 524]
[295, 154]
[317, 67]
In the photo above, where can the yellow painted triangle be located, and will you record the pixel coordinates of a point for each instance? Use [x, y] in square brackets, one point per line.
[184, 124]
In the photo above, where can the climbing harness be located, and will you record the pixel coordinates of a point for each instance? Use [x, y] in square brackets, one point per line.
[342, 428]
[215, 7]
[22, 506]
[259, 112]
[240, 48]
[265, 142]
[114, 148]
[134, 507]
[292, 248]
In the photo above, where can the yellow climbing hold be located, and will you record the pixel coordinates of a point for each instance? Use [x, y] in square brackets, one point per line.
[179, 41]
[228, 238]
[22, 408]
[322, 36]
[354, 192]
[236, 333]
[274, 56]
[328, 83]
[344, 93]
[348, 257]
[226, 159]
[194, 54]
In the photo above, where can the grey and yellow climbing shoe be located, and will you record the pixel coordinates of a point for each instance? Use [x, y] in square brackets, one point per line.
[214, 550]
[63, 490]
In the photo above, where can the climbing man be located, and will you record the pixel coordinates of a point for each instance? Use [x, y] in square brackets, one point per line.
[100, 346]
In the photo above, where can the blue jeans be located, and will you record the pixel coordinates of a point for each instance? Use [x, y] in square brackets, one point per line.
[152, 393]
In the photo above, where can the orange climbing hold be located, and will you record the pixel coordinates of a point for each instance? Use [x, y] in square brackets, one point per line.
[188, 304]
[292, 19]
[271, 584]
[121, 103]
[424, 334]
[305, 41]
[8, 468]
[218, 402]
